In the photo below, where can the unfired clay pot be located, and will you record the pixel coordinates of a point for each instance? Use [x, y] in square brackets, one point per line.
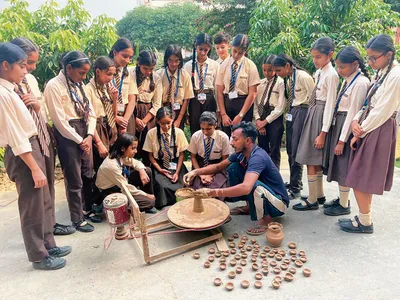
[207, 264]
[289, 277]
[258, 284]
[232, 274]
[292, 270]
[196, 255]
[245, 284]
[217, 281]
[276, 284]
[229, 286]
[278, 279]
[258, 276]
[275, 234]
[307, 272]
[239, 270]
[235, 235]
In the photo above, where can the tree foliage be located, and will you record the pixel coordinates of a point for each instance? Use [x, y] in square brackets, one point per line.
[395, 4]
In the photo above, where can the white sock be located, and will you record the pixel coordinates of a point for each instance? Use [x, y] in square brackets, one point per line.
[365, 219]
[312, 188]
[344, 193]
[320, 184]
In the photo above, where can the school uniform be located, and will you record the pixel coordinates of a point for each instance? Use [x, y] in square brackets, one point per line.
[18, 132]
[176, 88]
[210, 150]
[163, 146]
[126, 86]
[220, 60]
[147, 102]
[113, 174]
[70, 129]
[236, 86]
[319, 116]
[299, 88]
[371, 166]
[269, 105]
[350, 100]
[204, 90]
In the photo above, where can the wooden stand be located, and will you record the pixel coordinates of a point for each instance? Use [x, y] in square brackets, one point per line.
[142, 229]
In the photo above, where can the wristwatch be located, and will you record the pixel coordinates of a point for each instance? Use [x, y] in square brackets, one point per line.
[241, 115]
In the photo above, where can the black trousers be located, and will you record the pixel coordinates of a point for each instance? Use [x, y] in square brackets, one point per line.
[196, 108]
[271, 141]
[233, 107]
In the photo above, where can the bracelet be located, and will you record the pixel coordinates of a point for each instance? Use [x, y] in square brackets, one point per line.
[223, 115]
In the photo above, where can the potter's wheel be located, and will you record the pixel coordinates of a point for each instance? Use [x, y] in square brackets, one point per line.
[198, 213]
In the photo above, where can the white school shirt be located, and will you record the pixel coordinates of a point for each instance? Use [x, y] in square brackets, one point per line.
[33, 84]
[352, 101]
[220, 148]
[277, 100]
[220, 60]
[303, 88]
[16, 123]
[212, 68]
[385, 101]
[327, 92]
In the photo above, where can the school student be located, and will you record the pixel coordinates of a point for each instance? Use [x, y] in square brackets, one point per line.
[374, 127]
[317, 123]
[103, 97]
[176, 83]
[113, 173]
[352, 94]
[166, 145]
[74, 125]
[209, 146]
[122, 52]
[204, 72]
[222, 46]
[24, 160]
[298, 89]
[148, 100]
[269, 105]
[237, 82]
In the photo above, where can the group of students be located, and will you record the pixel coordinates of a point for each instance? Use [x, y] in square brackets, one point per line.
[347, 131]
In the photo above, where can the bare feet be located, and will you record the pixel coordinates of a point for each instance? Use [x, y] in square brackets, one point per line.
[241, 210]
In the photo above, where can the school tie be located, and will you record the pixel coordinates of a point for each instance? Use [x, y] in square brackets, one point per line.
[166, 158]
[233, 79]
[43, 134]
[117, 79]
[261, 103]
[170, 89]
[201, 79]
[107, 104]
[313, 98]
[367, 109]
[341, 93]
[207, 151]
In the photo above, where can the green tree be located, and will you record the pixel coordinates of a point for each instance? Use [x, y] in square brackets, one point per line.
[395, 4]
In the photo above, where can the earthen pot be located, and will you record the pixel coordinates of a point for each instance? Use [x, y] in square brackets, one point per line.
[239, 270]
[292, 245]
[289, 277]
[230, 239]
[232, 245]
[222, 260]
[278, 257]
[273, 263]
[277, 270]
[292, 252]
[292, 270]
[293, 258]
[226, 253]
[243, 250]
[284, 267]
[244, 237]
[302, 253]
[211, 258]
[222, 266]
[249, 248]
[232, 274]
[264, 265]
[217, 281]
[196, 255]
[275, 250]
[282, 252]
[232, 262]
[275, 234]
[229, 286]
[286, 261]
[245, 284]
[211, 250]
[254, 267]
[233, 251]
[271, 254]
[258, 284]
[275, 284]
[243, 262]
[258, 276]
[241, 245]
[244, 255]
[263, 255]
[218, 254]
[306, 272]
[254, 259]
[298, 263]
[303, 259]
[267, 249]
[235, 235]
[257, 246]
[278, 278]
[207, 264]
[237, 256]
[253, 241]
[265, 271]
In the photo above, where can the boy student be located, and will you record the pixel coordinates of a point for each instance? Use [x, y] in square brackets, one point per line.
[222, 46]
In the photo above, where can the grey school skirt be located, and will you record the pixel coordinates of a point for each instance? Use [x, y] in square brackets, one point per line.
[307, 154]
[335, 166]
[371, 165]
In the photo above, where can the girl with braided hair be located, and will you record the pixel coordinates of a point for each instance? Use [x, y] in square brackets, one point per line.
[74, 125]
[166, 145]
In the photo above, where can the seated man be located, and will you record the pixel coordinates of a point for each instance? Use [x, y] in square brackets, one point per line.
[252, 175]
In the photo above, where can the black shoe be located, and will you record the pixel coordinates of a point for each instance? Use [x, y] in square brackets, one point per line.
[287, 185]
[60, 251]
[344, 220]
[151, 211]
[349, 227]
[321, 200]
[50, 263]
[306, 206]
[98, 209]
[337, 210]
[293, 195]
[60, 229]
[91, 216]
[334, 202]
[83, 226]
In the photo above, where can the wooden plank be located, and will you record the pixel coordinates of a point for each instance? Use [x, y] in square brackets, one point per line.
[159, 226]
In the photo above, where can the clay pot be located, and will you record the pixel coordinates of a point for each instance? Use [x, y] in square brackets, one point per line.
[222, 266]
[298, 263]
[218, 254]
[244, 255]
[217, 281]
[245, 284]
[249, 248]
[230, 239]
[239, 270]
[244, 237]
[254, 259]
[258, 284]
[292, 245]
[229, 286]
[282, 253]
[243, 250]
[278, 278]
[284, 267]
[196, 255]
[302, 253]
[243, 262]
[258, 276]
[237, 256]
[263, 255]
[292, 270]
[292, 252]
[232, 274]
[232, 262]
[273, 263]
[226, 253]
[233, 251]
[277, 270]
[267, 249]
[286, 261]
[264, 265]
[289, 277]
[254, 267]
[211, 258]
[235, 235]
[207, 264]
[275, 234]
[211, 250]
[275, 284]
[241, 245]
[232, 245]
[293, 258]
[222, 260]
[257, 246]
[275, 250]
[303, 259]
[253, 241]
[271, 254]
[278, 257]
[306, 272]
[265, 271]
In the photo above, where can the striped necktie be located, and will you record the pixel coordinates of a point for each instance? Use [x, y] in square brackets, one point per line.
[201, 78]
[170, 89]
[261, 103]
[367, 109]
[117, 79]
[108, 106]
[313, 98]
[207, 153]
[233, 78]
[43, 134]
[166, 158]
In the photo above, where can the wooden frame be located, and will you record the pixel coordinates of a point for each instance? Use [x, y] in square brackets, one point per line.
[142, 229]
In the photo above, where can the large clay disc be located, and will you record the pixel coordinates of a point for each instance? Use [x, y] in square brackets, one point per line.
[182, 215]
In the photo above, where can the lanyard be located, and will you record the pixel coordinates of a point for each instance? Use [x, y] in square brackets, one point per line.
[120, 85]
[375, 86]
[127, 173]
[207, 154]
[234, 76]
[342, 93]
[177, 82]
[166, 147]
[198, 74]
[293, 87]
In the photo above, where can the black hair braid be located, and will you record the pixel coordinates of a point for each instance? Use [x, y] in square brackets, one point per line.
[125, 71]
[160, 152]
[363, 68]
[101, 90]
[193, 65]
[152, 83]
[286, 89]
[173, 134]
[139, 76]
[271, 88]
[85, 98]
[69, 84]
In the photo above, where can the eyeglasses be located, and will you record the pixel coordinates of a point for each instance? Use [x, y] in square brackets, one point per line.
[373, 59]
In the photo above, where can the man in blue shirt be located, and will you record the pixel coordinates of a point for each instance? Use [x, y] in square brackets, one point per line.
[253, 176]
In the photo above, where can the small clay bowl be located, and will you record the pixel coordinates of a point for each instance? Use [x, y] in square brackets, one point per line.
[258, 276]
[241, 245]
[233, 251]
[292, 252]
[275, 284]
[286, 261]
[282, 252]
[244, 237]
[222, 260]
[267, 249]
[289, 277]
[254, 267]
[292, 245]
[243, 250]
[239, 270]
[196, 255]
[278, 278]
[298, 263]
[257, 246]
[265, 271]
[211, 258]
[207, 264]
[284, 267]
[226, 253]
[232, 245]
[249, 248]
[243, 262]
[258, 284]
[253, 241]
[237, 256]
[254, 259]
[293, 258]
[271, 254]
[263, 255]
[244, 255]
[245, 284]
[235, 235]
[275, 250]
[232, 262]
[292, 270]
[277, 270]
[303, 259]
[217, 281]
[255, 254]
[232, 274]
[273, 263]
[278, 257]
[302, 253]
[229, 286]
[211, 250]
[218, 254]
[264, 265]
[222, 266]
[306, 272]
[230, 239]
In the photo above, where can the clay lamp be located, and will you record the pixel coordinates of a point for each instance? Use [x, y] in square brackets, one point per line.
[232, 274]
[254, 267]
[275, 284]
[278, 278]
[243, 250]
[244, 237]
[258, 284]
[235, 235]
[239, 270]
[282, 252]
[217, 281]
[263, 255]
[303, 259]
[257, 246]
[254, 259]
[267, 249]
[237, 256]
[222, 266]
[211, 258]
[222, 260]
[286, 261]
[277, 270]
[265, 271]
[218, 254]
[253, 241]
[292, 252]
[241, 245]
[298, 263]
[232, 245]
[302, 253]
[233, 251]
[245, 284]
[196, 255]
[207, 264]
[211, 250]
[230, 239]
[273, 263]
[243, 262]
[292, 245]
[278, 257]
[292, 270]
[255, 254]
[249, 248]
[284, 267]
[293, 258]
[258, 276]
[264, 265]
[271, 254]
[232, 262]
[275, 250]
[226, 253]
[229, 286]
[244, 255]
[289, 277]
[306, 272]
